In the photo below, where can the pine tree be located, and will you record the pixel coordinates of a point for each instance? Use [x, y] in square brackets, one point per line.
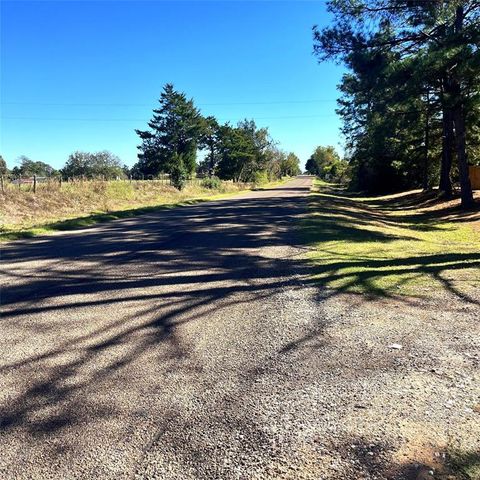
[171, 143]
[441, 39]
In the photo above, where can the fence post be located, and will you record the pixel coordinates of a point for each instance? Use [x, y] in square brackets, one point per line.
[1, 181]
[34, 184]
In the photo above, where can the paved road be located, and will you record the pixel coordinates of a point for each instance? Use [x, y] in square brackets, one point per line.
[188, 344]
[137, 348]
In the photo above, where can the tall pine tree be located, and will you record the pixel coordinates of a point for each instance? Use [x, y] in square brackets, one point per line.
[171, 143]
[441, 39]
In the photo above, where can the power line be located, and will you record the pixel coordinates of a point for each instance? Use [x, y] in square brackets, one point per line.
[275, 102]
[75, 119]
[279, 102]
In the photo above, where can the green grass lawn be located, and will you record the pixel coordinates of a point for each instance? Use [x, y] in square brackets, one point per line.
[405, 244]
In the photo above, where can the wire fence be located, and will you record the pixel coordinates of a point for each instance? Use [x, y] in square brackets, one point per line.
[37, 184]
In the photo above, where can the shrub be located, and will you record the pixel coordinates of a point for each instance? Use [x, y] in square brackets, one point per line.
[260, 177]
[212, 183]
[178, 176]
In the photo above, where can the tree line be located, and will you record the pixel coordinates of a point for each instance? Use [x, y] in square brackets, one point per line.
[102, 164]
[410, 101]
[176, 134]
[177, 131]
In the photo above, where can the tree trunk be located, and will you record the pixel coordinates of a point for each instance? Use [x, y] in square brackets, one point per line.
[211, 167]
[425, 182]
[465, 185]
[447, 150]
[458, 113]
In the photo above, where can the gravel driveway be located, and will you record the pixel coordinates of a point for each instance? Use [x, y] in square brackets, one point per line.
[190, 344]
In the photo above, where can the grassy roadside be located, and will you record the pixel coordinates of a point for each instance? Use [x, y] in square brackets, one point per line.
[403, 244]
[466, 464]
[25, 215]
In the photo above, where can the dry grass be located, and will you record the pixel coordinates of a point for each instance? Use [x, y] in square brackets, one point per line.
[54, 207]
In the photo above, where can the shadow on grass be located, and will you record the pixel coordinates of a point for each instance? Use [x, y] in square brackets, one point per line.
[438, 208]
[355, 251]
[91, 220]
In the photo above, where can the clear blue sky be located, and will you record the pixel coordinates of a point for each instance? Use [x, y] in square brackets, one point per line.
[82, 75]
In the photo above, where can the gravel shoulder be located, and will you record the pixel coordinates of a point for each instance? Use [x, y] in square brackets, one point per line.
[191, 344]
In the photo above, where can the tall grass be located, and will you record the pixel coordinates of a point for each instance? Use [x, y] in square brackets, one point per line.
[23, 211]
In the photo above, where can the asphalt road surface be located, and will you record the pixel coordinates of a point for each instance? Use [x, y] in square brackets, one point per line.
[193, 344]
[129, 350]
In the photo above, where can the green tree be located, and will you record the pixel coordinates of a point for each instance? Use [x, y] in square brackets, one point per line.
[386, 122]
[175, 131]
[209, 133]
[78, 164]
[93, 165]
[440, 36]
[245, 152]
[127, 171]
[326, 163]
[289, 165]
[311, 167]
[263, 162]
[237, 154]
[178, 173]
[28, 168]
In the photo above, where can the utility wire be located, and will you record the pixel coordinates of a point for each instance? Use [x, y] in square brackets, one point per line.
[278, 102]
[73, 119]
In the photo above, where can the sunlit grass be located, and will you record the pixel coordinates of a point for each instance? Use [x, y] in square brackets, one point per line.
[365, 245]
[84, 204]
[81, 205]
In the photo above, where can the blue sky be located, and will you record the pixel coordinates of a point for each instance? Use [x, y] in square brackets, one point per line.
[82, 75]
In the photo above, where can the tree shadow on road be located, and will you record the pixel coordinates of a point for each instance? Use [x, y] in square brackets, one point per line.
[98, 300]
[83, 310]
